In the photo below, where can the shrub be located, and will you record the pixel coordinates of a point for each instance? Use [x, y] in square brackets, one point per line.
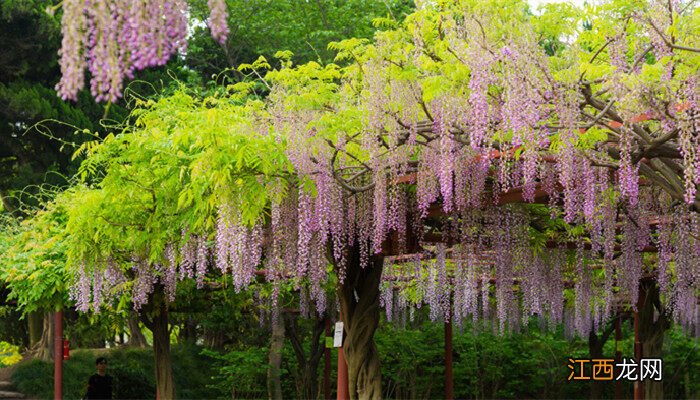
[132, 369]
[9, 354]
[240, 373]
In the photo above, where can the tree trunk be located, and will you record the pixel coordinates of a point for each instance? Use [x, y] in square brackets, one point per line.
[653, 322]
[136, 337]
[307, 382]
[359, 302]
[158, 324]
[43, 350]
[595, 349]
[34, 325]
[214, 339]
[274, 370]
[188, 332]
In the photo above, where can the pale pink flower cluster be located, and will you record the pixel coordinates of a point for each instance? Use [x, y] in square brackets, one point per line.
[115, 38]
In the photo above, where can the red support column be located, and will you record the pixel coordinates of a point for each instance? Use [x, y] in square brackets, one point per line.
[343, 390]
[58, 356]
[449, 381]
[327, 366]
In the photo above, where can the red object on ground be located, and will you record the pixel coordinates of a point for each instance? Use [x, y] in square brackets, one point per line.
[66, 349]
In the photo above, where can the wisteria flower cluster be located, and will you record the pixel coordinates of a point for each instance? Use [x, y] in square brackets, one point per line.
[114, 38]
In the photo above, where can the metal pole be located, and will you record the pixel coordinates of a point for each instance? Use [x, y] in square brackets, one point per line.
[343, 392]
[327, 366]
[58, 355]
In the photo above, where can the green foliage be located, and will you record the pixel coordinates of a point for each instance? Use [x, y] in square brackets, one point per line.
[33, 36]
[132, 370]
[33, 257]
[485, 365]
[531, 364]
[304, 28]
[12, 328]
[37, 128]
[92, 330]
[9, 354]
[181, 159]
[35, 377]
[240, 373]
[681, 356]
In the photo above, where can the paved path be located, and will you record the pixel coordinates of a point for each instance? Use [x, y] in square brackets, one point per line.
[7, 391]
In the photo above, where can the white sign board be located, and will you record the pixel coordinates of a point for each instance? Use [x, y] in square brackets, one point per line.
[338, 337]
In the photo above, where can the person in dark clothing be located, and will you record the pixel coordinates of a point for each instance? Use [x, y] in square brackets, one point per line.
[100, 384]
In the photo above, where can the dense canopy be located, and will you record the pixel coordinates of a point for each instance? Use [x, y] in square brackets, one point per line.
[424, 129]
[411, 147]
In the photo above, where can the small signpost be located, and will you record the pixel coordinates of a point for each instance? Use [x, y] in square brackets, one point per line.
[338, 336]
[342, 391]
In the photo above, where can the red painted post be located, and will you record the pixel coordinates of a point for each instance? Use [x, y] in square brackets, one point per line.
[327, 366]
[618, 355]
[58, 356]
[449, 382]
[343, 391]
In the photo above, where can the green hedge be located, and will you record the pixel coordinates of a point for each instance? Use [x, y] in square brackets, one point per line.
[532, 364]
[527, 365]
[132, 369]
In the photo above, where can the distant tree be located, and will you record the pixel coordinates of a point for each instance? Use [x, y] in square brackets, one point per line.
[303, 27]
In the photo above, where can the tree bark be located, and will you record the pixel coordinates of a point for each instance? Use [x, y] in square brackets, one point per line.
[274, 370]
[595, 349]
[307, 383]
[359, 302]
[188, 332]
[136, 337]
[653, 322]
[43, 350]
[157, 322]
[34, 325]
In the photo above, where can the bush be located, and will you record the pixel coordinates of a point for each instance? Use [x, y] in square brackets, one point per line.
[485, 365]
[9, 354]
[240, 373]
[132, 369]
[35, 378]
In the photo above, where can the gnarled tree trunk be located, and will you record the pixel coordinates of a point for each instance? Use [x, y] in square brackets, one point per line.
[307, 382]
[359, 302]
[157, 322]
[595, 348]
[34, 325]
[653, 322]
[43, 349]
[136, 337]
[274, 370]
